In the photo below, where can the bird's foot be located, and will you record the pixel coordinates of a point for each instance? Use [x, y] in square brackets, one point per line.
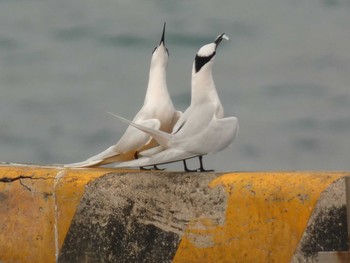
[188, 170]
[155, 167]
[201, 169]
[191, 171]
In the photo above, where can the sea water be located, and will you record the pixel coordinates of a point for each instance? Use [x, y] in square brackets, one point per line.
[285, 74]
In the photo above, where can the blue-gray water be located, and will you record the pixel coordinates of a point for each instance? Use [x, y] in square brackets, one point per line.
[285, 74]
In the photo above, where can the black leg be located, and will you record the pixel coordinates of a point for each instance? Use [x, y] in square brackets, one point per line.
[155, 167]
[201, 168]
[136, 156]
[158, 169]
[186, 169]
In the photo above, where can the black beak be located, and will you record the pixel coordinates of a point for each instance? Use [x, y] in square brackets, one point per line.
[163, 35]
[219, 39]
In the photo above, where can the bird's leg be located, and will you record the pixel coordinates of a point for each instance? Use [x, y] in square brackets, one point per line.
[186, 169]
[136, 156]
[201, 168]
[155, 167]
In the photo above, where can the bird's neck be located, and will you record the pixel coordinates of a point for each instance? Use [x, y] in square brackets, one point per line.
[203, 86]
[157, 90]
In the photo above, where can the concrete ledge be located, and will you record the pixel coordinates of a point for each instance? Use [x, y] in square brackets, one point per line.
[50, 214]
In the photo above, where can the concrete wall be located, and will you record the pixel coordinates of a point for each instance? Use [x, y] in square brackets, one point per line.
[50, 214]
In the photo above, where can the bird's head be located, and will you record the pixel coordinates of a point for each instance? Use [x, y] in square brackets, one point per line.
[206, 53]
[160, 53]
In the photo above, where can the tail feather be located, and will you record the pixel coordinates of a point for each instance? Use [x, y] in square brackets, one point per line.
[95, 160]
[83, 164]
[161, 137]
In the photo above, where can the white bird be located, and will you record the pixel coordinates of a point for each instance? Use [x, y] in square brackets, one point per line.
[157, 113]
[202, 129]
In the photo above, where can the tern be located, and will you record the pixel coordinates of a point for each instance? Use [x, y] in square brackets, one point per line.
[202, 129]
[157, 113]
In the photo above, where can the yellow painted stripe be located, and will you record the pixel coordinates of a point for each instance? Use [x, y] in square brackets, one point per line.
[266, 216]
[30, 207]
[26, 217]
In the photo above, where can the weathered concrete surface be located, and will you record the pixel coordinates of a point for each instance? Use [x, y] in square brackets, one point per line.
[108, 215]
[327, 227]
[141, 217]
